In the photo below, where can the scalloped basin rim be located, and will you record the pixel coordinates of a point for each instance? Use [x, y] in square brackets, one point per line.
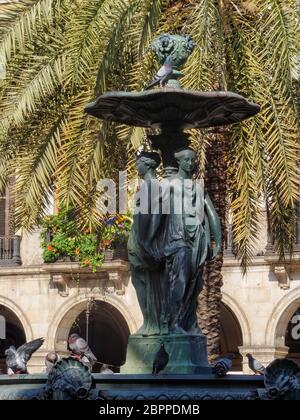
[165, 107]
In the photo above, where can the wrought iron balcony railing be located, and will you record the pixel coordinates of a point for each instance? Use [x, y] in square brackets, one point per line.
[10, 250]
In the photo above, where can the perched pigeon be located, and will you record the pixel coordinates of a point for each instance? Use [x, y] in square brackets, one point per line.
[255, 365]
[223, 365]
[163, 75]
[81, 349]
[161, 360]
[86, 361]
[16, 360]
[51, 358]
[105, 369]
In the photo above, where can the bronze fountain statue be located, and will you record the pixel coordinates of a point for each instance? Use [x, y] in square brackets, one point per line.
[171, 238]
[174, 219]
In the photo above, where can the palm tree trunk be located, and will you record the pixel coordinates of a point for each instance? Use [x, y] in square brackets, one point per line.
[211, 295]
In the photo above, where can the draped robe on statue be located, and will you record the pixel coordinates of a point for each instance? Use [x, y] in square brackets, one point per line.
[168, 246]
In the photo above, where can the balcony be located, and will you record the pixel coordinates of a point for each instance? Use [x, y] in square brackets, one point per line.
[10, 251]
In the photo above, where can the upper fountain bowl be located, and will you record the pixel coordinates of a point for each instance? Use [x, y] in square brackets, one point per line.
[167, 108]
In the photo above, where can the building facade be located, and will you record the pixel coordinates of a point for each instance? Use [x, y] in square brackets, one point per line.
[260, 311]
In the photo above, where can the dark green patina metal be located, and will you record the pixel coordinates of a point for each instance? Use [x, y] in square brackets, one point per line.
[168, 251]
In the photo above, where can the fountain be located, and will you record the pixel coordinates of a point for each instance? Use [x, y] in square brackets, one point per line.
[167, 251]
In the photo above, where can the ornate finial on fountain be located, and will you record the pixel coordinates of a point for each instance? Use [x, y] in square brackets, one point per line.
[69, 379]
[172, 52]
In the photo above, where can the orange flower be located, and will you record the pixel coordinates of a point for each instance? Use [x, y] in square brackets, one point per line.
[50, 248]
[106, 243]
[86, 261]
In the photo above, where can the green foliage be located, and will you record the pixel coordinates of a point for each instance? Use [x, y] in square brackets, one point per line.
[115, 231]
[62, 239]
[60, 54]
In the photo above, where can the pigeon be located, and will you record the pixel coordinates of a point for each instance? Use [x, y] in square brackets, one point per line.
[105, 369]
[255, 365]
[223, 365]
[161, 360]
[163, 75]
[16, 359]
[51, 359]
[86, 361]
[81, 350]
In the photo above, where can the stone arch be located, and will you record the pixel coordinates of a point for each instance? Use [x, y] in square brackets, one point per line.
[240, 316]
[231, 336]
[280, 317]
[231, 332]
[63, 319]
[20, 315]
[12, 332]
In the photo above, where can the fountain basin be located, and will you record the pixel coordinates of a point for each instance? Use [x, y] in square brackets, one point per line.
[167, 107]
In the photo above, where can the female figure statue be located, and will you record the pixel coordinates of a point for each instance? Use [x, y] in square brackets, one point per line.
[188, 242]
[147, 270]
[168, 249]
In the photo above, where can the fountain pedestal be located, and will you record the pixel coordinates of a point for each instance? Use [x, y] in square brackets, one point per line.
[188, 354]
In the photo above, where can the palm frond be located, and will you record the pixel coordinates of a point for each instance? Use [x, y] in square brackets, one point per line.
[204, 69]
[6, 157]
[70, 178]
[279, 33]
[22, 18]
[247, 158]
[93, 36]
[283, 150]
[147, 22]
[60, 53]
[244, 191]
[34, 185]
[30, 94]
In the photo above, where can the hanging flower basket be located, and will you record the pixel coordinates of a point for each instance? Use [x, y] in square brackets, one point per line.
[108, 255]
[114, 237]
[120, 252]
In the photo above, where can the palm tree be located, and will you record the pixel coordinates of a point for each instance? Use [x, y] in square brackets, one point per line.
[60, 54]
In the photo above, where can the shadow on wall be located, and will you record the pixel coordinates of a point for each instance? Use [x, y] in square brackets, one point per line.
[231, 336]
[292, 337]
[15, 334]
[108, 334]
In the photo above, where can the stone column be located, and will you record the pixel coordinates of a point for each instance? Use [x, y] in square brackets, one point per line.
[16, 250]
[37, 362]
[265, 354]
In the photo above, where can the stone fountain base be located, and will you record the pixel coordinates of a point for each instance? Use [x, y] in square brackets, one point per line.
[146, 387]
[188, 354]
